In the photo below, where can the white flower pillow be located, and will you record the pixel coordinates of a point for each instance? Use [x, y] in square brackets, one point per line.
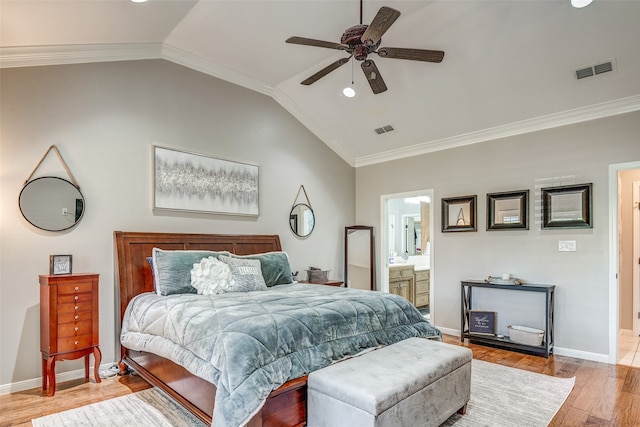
[210, 276]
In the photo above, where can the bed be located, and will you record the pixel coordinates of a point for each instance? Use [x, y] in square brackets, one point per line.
[285, 405]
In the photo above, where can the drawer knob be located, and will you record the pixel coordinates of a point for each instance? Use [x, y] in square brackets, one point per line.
[77, 317]
[76, 298]
[76, 308]
[76, 343]
[76, 328]
[77, 288]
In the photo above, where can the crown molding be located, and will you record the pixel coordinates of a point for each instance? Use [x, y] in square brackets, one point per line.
[292, 108]
[31, 56]
[578, 115]
[203, 65]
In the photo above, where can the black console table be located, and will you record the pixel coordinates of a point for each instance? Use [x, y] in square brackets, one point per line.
[467, 294]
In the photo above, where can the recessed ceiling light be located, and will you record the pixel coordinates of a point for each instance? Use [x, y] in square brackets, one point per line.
[580, 3]
[138, 1]
[349, 92]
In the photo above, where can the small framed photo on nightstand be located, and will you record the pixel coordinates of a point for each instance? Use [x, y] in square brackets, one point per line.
[60, 264]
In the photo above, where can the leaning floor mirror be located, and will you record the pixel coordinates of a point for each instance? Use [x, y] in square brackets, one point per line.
[359, 271]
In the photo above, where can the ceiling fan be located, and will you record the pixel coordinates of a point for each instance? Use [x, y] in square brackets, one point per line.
[360, 41]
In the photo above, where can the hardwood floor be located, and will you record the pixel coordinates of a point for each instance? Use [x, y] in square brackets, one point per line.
[604, 395]
[18, 409]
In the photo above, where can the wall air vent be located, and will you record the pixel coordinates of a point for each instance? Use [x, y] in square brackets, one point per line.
[596, 69]
[384, 129]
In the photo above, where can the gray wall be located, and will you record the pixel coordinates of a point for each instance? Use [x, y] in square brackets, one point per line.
[104, 118]
[574, 154]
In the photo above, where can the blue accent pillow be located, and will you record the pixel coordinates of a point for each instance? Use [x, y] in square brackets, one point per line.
[172, 270]
[275, 267]
[153, 274]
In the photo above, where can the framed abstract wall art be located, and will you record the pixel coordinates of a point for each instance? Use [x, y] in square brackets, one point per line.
[194, 182]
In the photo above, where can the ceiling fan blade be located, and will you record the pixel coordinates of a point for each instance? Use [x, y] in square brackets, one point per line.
[317, 43]
[326, 70]
[411, 54]
[380, 24]
[373, 76]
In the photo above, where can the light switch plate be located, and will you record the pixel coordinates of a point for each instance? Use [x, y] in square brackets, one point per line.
[566, 245]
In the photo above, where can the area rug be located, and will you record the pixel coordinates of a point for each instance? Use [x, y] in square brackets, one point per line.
[147, 408]
[509, 397]
[500, 397]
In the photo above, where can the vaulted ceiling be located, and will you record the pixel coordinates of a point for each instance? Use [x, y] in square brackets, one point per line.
[509, 65]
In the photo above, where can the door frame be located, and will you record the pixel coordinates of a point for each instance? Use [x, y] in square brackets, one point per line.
[384, 239]
[614, 258]
[635, 284]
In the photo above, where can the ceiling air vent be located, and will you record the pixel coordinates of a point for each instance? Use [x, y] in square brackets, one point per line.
[603, 68]
[384, 129]
[584, 72]
[594, 70]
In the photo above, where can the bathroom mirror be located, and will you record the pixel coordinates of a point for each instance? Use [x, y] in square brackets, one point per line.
[359, 257]
[302, 220]
[51, 203]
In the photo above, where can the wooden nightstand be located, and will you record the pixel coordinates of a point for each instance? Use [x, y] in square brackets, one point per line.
[68, 324]
[327, 283]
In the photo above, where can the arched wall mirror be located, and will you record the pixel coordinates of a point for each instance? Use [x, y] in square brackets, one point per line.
[51, 203]
[301, 219]
[359, 271]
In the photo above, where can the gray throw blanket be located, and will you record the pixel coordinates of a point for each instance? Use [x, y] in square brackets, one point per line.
[251, 343]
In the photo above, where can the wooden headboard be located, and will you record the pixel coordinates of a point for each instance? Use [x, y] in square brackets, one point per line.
[132, 249]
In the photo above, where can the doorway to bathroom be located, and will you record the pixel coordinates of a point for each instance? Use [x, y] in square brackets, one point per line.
[407, 247]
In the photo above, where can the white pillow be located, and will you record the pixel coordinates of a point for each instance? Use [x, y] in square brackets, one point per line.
[210, 276]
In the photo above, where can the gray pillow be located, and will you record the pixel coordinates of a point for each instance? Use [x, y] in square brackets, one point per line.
[172, 269]
[246, 275]
[275, 267]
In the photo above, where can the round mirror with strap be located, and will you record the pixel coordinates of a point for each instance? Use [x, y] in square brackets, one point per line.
[302, 220]
[51, 203]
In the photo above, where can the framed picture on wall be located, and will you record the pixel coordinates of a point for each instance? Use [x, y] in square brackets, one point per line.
[459, 214]
[567, 206]
[508, 210]
[198, 183]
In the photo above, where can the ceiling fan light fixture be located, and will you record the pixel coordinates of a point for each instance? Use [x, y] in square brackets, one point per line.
[580, 3]
[349, 92]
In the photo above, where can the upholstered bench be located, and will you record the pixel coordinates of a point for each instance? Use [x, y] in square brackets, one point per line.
[415, 382]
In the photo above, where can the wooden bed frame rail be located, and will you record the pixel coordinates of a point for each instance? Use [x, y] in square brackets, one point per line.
[285, 407]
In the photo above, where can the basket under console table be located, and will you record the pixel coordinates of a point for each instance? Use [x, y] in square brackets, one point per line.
[546, 348]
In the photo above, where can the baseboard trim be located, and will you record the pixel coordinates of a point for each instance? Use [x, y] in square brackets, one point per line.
[37, 382]
[595, 357]
[449, 331]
